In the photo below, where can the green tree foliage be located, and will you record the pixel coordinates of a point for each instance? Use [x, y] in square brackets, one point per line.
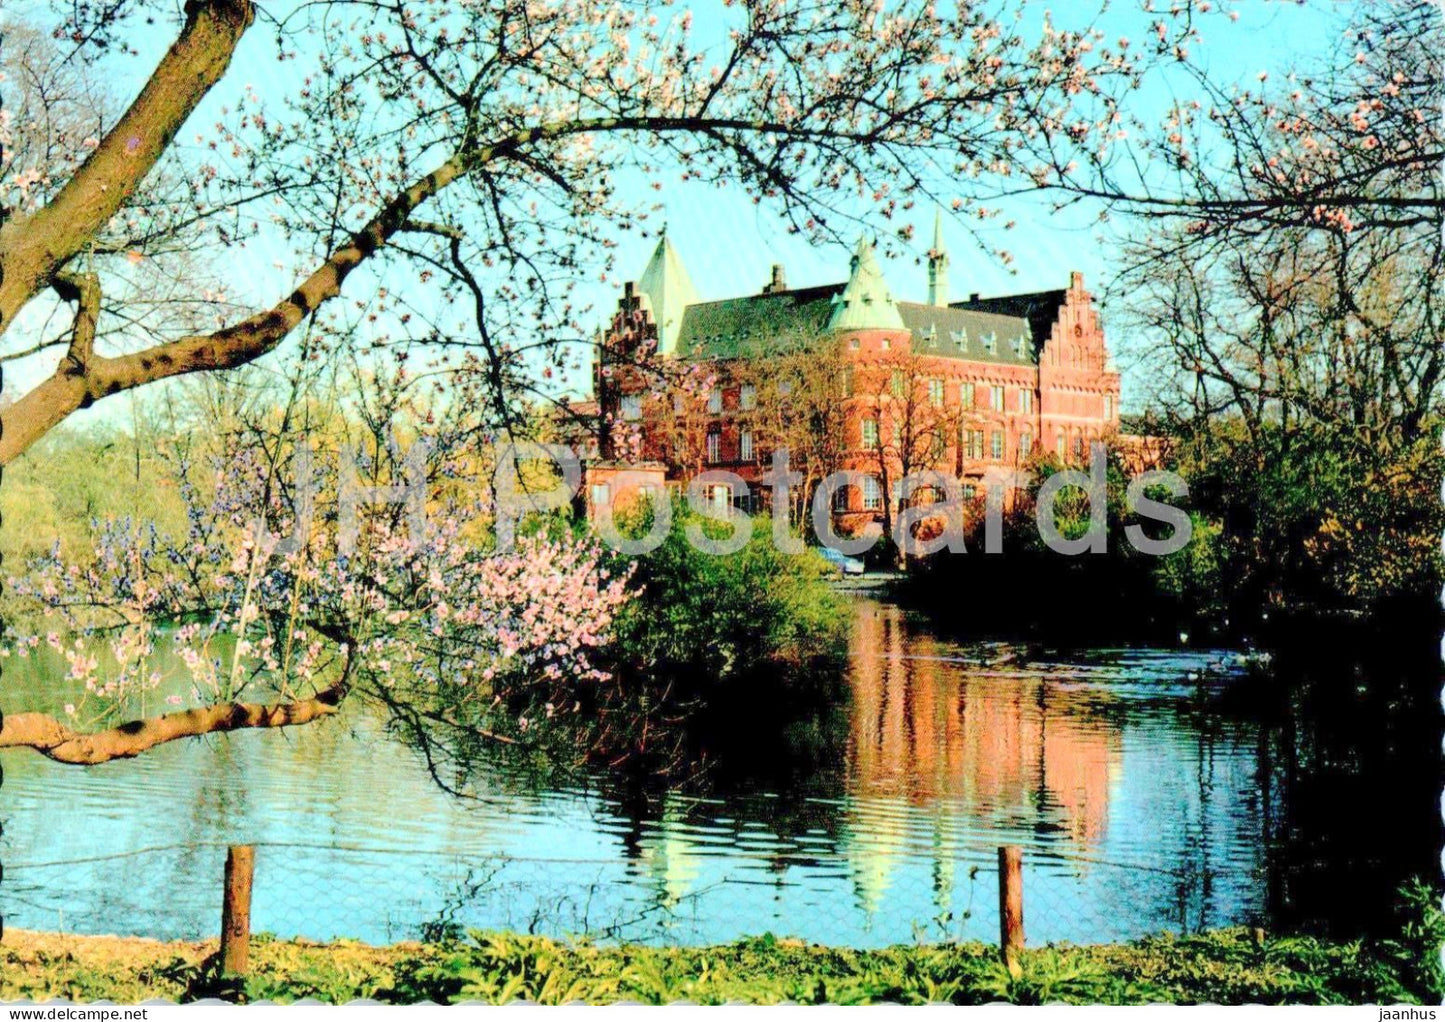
[728, 616]
[709, 637]
[1301, 522]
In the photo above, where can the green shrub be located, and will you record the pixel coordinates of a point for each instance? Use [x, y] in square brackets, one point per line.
[726, 616]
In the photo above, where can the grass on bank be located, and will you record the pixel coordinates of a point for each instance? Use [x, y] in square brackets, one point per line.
[1226, 966]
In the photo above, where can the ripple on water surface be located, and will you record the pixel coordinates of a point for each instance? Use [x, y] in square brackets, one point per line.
[1123, 796]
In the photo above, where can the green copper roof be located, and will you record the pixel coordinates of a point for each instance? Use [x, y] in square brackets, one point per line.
[969, 335]
[1009, 330]
[758, 325]
[865, 303]
[669, 290]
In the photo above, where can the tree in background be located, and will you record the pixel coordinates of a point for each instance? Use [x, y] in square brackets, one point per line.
[914, 430]
[1291, 302]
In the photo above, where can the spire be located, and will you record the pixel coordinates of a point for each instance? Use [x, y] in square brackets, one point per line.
[938, 264]
[669, 291]
[865, 303]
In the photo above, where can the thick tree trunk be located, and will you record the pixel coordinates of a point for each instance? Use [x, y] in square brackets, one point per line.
[33, 248]
[51, 738]
[75, 386]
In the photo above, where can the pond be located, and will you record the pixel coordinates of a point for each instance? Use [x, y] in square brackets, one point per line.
[1140, 805]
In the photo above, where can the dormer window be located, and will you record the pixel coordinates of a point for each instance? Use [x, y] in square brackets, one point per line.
[1021, 346]
[990, 343]
[960, 339]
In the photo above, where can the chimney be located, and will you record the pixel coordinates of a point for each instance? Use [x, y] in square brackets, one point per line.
[778, 281]
[973, 297]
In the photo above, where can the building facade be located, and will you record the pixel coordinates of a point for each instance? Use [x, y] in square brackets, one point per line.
[848, 377]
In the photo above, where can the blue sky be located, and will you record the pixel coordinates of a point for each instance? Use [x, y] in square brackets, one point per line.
[729, 245]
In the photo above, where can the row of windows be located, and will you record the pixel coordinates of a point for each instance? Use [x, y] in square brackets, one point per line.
[987, 341]
[714, 446]
[600, 494]
[872, 492]
[967, 393]
[720, 495]
[748, 397]
[872, 496]
[971, 441]
[1078, 445]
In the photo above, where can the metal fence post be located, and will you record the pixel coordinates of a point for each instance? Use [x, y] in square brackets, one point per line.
[1011, 906]
[236, 909]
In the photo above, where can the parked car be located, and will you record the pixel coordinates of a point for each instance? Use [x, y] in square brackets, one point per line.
[846, 565]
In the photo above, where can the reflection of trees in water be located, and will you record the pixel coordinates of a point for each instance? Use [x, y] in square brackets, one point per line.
[1330, 800]
[1350, 777]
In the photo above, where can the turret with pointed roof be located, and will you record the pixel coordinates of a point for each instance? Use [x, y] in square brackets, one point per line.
[669, 292]
[865, 302]
[938, 264]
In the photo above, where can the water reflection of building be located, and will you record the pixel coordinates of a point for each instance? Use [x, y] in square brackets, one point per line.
[1011, 747]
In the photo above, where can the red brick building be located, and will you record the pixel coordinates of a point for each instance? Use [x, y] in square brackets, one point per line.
[960, 387]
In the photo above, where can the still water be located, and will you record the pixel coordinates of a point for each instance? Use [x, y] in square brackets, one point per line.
[1139, 807]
